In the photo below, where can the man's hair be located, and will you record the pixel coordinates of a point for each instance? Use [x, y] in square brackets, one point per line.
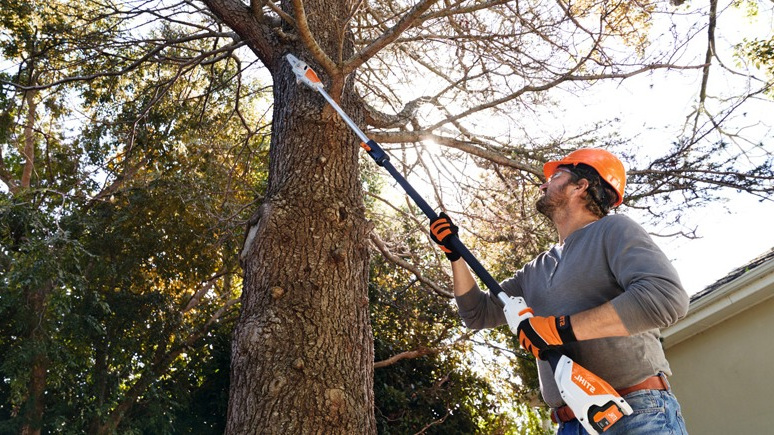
[601, 196]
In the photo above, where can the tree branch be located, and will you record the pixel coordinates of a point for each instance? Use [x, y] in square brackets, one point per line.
[258, 36]
[132, 66]
[434, 422]
[288, 19]
[468, 147]
[379, 119]
[422, 351]
[405, 355]
[28, 150]
[707, 64]
[305, 33]
[379, 243]
[408, 20]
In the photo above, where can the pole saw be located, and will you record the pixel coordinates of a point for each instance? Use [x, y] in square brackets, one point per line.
[595, 403]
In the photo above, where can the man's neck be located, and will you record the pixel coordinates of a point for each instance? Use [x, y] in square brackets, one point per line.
[568, 223]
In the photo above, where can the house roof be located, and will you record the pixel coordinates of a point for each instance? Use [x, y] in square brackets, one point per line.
[734, 274]
[744, 287]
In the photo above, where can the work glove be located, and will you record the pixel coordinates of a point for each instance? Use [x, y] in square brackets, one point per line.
[441, 231]
[539, 334]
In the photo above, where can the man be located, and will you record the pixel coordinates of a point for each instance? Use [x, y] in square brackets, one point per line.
[601, 294]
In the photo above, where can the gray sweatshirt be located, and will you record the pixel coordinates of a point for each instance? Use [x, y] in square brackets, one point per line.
[613, 259]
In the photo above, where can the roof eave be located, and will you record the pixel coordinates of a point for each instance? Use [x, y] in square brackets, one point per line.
[748, 290]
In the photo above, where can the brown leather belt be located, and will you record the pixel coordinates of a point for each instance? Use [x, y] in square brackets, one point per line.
[658, 382]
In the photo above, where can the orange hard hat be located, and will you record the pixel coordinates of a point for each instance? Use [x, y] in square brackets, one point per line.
[606, 164]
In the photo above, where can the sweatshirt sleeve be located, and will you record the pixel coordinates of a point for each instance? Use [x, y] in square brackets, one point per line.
[480, 310]
[653, 296]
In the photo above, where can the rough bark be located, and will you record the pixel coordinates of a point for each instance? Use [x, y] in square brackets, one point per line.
[302, 351]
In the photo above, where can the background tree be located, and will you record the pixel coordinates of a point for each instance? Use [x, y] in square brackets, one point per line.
[119, 278]
[758, 52]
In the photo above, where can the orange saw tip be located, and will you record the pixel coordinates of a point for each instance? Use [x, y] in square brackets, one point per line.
[304, 74]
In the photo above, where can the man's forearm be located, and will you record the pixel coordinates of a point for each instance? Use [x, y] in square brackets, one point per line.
[599, 322]
[463, 278]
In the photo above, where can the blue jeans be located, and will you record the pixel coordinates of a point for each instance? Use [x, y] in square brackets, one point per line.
[655, 412]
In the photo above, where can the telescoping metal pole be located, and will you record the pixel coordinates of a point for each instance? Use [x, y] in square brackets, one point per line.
[305, 74]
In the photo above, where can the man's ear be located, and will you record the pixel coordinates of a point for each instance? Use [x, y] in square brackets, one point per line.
[582, 186]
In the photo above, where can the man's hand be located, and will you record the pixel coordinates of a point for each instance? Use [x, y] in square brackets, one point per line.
[538, 334]
[441, 231]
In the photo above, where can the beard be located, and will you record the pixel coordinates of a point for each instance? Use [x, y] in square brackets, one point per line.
[551, 202]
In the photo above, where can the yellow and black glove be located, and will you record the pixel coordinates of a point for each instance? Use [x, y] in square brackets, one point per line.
[538, 334]
[441, 231]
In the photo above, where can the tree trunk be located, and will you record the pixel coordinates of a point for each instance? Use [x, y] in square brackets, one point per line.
[302, 351]
[28, 149]
[36, 387]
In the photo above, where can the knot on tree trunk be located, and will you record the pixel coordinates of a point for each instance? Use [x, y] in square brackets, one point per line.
[277, 292]
[339, 254]
[335, 401]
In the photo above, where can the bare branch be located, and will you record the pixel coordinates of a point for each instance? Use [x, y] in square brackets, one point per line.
[468, 147]
[707, 60]
[405, 355]
[222, 310]
[379, 119]
[276, 9]
[435, 422]
[417, 353]
[134, 64]
[302, 25]
[406, 21]
[379, 244]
